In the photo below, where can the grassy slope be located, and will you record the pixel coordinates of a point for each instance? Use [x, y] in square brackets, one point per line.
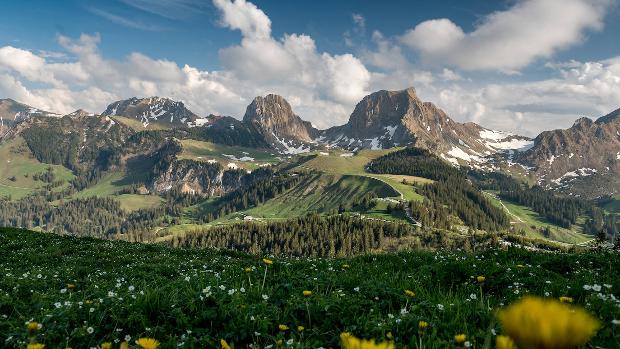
[203, 151]
[133, 202]
[320, 193]
[613, 206]
[524, 218]
[16, 160]
[335, 163]
[183, 296]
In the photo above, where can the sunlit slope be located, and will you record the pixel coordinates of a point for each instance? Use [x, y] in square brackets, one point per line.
[17, 167]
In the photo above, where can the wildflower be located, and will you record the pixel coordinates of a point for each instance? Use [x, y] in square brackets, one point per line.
[389, 335]
[279, 343]
[224, 344]
[71, 286]
[35, 346]
[473, 296]
[90, 330]
[615, 322]
[300, 328]
[520, 266]
[564, 299]
[106, 345]
[283, 327]
[307, 293]
[351, 342]
[409, 293]
[504, 342]
[596, 288]
[124, 345]
[267, 261]
[534, 322]
[481, 279]
[33, 327]
[148, 343]
[247, 269]
[422, 325]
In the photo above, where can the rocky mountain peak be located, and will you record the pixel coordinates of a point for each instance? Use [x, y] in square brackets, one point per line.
[155, 109]
[273, 118]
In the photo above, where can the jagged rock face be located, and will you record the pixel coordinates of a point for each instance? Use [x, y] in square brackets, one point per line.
[156, 110]
[386, 119]
[582, 160]
[12, 113]
[272, 117]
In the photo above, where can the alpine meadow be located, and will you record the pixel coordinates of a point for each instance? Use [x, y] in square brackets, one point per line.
[234, 174]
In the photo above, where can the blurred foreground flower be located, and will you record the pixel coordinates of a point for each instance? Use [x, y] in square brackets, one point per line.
[351, 342]
[504, 342]
[534, 322]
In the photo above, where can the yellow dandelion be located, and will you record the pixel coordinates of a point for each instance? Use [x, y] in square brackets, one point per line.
[460, 338]
[247, 269]
[389, 335]
[504, 342]
[283, 327]
[124, 345]
[520, 266]
[481, 279]
[71, 286]
[279, 343]
[106, 345]
[224, 344]
[32, 327]
[307, 293]
[534, 322]
[346, 266]
[565, 299]
[300, 328]
[148, 343]
[351, 342]
[35, 346]
[409, 293]
[422, 325]
[267, 261]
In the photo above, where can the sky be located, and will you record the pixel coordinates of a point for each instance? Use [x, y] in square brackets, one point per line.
[515, 65]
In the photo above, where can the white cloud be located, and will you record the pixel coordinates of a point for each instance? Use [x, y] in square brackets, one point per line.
[322, 87]
[511, 39]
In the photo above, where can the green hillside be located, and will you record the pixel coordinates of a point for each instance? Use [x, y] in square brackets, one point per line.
[85, 292]
[321, 193]
[244, 157]
[18, 167]
[525, 219]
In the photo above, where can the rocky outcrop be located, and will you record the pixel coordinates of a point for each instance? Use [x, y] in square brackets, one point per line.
[386, 119]
[12, 113]
[582, 160]
[273, 119]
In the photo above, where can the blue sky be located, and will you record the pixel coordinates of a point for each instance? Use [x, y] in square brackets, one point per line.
[516, 65]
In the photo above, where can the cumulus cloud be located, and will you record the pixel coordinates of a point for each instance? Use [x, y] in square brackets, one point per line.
[324, 87]
[511, 39]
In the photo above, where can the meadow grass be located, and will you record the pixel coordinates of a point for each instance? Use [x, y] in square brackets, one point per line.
[85, 292]
[18, 163]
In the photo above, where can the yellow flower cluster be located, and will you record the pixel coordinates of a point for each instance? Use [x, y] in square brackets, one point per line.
[422, 325]
[267, 261]
[35, 346]
[351, 342]
[534, 322]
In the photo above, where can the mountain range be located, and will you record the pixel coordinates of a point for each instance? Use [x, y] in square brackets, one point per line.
[583, 160]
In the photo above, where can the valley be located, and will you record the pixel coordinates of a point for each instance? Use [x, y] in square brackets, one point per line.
[173, 172]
